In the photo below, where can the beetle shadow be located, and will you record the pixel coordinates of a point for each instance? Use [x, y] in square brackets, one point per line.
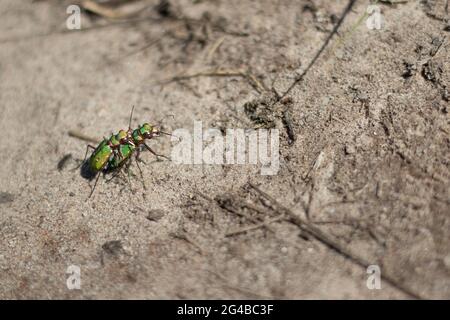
[86, 172]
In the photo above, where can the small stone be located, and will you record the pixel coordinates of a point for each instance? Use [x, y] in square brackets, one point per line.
[113, 247]
[447, 261]
[6, 197]
[155, 215]
[410, 69]
[350, 149]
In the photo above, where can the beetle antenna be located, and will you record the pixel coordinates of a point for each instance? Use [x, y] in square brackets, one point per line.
[131, 117]
[169, 134]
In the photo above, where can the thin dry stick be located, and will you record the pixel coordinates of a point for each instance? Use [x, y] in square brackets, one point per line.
[393, 1]
[365, 15]
[214, 48]
[347, 9]
[81, 136]
[239, 289]
[120, 12]
[250, 218]
[256, 208]
[221, 73]
[141, 49]
[331, 243]
[185, 237]
[254, 227]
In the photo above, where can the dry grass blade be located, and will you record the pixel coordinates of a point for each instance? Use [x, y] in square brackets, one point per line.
[221, 73]
[254, 227]
[81, 136]
[124, 11]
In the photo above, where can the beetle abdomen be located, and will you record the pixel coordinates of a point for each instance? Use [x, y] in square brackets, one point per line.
[100, 157]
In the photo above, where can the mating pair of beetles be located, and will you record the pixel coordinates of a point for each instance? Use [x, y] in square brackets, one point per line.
[116, 151]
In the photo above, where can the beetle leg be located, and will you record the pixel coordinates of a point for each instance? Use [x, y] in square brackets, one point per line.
[157, 155]
[128, 172]
[114, 175]
[140, 170]
[85, 156]
[95, 184]
[138, 156]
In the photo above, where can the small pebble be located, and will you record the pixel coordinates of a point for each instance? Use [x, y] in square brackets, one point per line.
[447, 261]
[6, 197]
[113, 247]
[350, 149]
[155, 215]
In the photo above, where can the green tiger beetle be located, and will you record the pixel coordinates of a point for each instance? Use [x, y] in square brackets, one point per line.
[116, 151]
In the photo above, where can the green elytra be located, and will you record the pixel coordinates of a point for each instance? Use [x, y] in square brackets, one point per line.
[105, 150]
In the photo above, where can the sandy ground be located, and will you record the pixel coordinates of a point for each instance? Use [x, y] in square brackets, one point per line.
[364, 151]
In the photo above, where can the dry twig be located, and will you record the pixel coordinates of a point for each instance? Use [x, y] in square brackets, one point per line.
[255, 226]
[220, 73]
[81, 136]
